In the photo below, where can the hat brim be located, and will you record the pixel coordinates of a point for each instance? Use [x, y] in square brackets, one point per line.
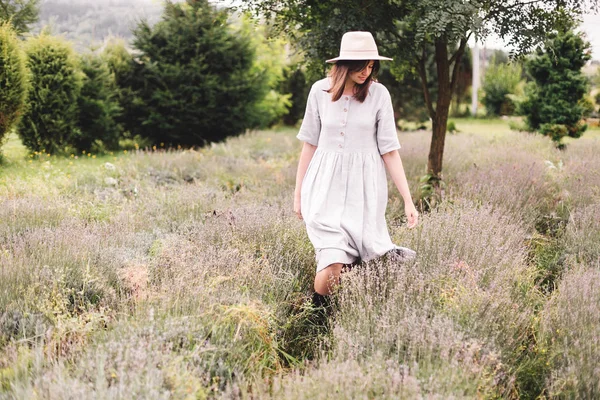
[332, 60]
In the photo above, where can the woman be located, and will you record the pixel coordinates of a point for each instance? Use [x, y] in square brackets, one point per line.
[350, 137]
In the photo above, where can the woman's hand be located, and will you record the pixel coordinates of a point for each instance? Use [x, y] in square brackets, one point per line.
[297, 210]
[411, 214]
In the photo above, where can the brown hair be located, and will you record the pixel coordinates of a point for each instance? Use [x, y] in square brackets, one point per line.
[339, 74]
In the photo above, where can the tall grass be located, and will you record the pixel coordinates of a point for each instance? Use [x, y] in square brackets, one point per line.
[178, 274]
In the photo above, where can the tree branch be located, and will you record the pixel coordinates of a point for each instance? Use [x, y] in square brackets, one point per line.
[423, 75]
[456, 57]
[494, 10]
[463, 41]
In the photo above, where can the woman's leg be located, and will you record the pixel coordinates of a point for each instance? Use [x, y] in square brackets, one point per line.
[327, 278]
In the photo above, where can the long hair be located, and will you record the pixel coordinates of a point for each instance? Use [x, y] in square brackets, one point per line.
[339, 73]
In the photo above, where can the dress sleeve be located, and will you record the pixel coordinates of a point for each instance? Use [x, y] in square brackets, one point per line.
[311, 123]
[387, 136]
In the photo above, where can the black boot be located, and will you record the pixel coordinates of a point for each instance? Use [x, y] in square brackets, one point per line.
[322, 309]
[320, 301]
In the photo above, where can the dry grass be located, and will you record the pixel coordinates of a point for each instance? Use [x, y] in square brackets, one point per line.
[184, 274]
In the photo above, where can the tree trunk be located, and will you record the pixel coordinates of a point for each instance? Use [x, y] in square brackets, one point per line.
[440, 119]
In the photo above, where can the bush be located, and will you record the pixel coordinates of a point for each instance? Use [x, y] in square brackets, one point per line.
[500, 80]
[126, 72]
[587, 103]
[50, 122]
[295, 84]
[555, 97]
[200, 83]
[98, 107]
[15, 80]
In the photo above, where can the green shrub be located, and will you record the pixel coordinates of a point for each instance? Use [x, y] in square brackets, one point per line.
[198, 82]
[555, 99]
[295, 84]
[587, 103]
[14, 80]
[98, 107]
[500, 80]
[126, 73]
[268, 73]
[50, 123]
[452, 127]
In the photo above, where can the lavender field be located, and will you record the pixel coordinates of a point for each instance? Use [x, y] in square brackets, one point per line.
[184, 274]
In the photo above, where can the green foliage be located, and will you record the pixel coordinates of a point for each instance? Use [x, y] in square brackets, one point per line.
[499, 81]
[14, 80]
[126, 72]
[554, 105]
[499, 57]
[597, 99]
[20, 13]
[406, 91]
[413, 33]
[452, 127]
[50, 123]
[587, 103]
[268, 69]
[198, 81]
[295, 83]
[98, 107]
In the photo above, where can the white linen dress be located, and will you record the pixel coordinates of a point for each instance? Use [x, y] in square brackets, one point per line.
[344, 192]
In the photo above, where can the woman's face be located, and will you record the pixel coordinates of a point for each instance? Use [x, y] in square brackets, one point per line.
[359, 77]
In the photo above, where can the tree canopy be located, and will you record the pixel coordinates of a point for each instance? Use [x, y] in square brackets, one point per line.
[412, 31]
[20, 13]
[196, 79]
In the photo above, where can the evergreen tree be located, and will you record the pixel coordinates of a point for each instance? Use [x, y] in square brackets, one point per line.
[20, 13]
[98, 107]
[198, 84]
[14, 80]
[50, 123]
[555, 99]
[127, 74]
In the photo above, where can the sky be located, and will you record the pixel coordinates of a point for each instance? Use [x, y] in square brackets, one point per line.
[591, 27]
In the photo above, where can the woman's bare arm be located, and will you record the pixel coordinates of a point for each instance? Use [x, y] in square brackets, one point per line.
[396, 169]
[308, 150]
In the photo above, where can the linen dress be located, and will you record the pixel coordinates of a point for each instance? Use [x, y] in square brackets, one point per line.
[344, 192]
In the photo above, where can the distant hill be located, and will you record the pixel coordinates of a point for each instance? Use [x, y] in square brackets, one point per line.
[88, 23]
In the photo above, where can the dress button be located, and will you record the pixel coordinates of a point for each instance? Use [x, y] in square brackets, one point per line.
[340, 146]
[346, 98]
[342, 133]
[345, 109]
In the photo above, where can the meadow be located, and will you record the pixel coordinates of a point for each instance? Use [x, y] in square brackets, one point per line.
[165, 273]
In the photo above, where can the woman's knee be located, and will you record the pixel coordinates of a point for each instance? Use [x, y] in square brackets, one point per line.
[327, 278]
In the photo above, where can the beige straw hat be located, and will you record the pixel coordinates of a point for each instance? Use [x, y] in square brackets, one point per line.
[358, 45]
